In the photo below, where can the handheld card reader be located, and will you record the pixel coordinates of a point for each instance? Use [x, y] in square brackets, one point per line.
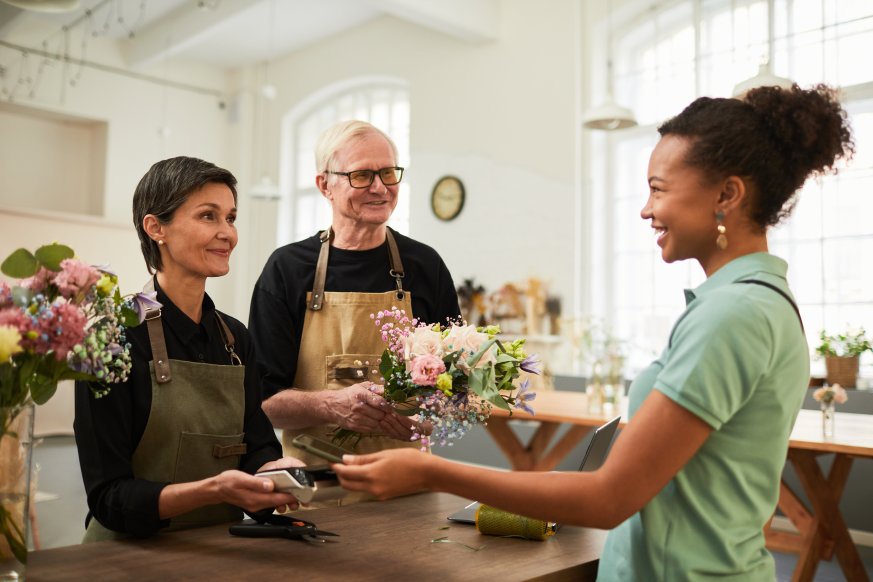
[307, 485]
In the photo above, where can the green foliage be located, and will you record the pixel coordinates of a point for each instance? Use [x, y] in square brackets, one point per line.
[22, 263]
[846, 344]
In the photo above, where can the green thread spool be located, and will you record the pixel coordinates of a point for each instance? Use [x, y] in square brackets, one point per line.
[496, 522]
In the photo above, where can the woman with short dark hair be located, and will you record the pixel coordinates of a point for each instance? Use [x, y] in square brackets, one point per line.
[177, 444]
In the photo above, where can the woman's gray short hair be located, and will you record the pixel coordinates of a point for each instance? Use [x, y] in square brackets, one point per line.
[341, 134]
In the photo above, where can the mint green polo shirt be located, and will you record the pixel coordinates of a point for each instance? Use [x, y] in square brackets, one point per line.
[739, 361]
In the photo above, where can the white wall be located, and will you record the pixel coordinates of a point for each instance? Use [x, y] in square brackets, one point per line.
[51, 161]
[500, 115]
[134, 112]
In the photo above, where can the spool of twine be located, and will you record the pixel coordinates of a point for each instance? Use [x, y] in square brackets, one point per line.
[496, 522]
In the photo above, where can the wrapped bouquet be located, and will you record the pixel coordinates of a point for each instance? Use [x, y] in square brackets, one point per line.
[450, 376]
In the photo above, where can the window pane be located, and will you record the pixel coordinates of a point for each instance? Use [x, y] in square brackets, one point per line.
[668, 56]
[385, 107]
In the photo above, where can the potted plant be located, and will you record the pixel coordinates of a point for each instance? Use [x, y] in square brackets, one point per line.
[841, 353]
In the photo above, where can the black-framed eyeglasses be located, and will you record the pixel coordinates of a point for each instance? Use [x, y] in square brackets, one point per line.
[364, 178]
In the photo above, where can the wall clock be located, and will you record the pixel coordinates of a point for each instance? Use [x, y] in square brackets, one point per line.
[447, 198]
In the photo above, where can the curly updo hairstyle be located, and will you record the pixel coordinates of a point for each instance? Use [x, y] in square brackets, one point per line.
[164, 188]
[773, 138]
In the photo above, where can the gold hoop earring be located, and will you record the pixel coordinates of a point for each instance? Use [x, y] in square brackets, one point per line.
[721, 240]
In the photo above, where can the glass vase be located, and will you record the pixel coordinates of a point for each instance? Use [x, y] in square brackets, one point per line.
[594, 394]
[828, 419]
[16, 447]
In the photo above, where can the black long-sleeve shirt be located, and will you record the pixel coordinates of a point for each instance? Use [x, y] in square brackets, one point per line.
[278, 303]
[109, 429]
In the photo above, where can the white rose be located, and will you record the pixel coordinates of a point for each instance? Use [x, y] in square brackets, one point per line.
[465, 337]
[422, 341]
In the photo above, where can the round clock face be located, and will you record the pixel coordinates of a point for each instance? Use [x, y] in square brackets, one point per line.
[447, 198]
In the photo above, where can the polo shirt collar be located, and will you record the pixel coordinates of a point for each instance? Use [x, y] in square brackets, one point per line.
[740, 268]
[182, 325]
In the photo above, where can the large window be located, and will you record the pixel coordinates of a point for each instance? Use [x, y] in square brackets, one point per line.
[677, 51]
[385, 105]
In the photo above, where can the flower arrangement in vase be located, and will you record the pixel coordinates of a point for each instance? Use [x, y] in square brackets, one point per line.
[828, 397]
[63, 320]
[842, 352]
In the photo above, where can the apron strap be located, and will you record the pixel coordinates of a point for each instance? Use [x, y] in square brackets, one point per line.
[227, 337]
[317, 299]
[396, 265]
[157, 340]
[396, 271]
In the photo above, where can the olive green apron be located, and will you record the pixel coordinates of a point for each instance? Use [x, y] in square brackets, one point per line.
[341, 346]
[194, 430]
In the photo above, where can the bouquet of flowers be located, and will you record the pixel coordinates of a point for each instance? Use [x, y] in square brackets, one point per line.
[64, 320]
[450, 376]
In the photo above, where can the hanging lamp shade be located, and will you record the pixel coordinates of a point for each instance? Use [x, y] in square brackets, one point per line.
[608, 116]
[764, 78]
[45, 5]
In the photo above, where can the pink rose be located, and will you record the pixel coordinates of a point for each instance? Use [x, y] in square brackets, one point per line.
[426, 368]
[75, 278]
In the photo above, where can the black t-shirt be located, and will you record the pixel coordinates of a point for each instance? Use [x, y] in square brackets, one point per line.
[279, 299]
[108, 429]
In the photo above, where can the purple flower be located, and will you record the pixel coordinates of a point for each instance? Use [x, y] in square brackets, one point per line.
[531, 364]
[143, 302]
[523, 396]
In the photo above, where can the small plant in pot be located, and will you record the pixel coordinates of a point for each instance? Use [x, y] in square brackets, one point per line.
[842, 352]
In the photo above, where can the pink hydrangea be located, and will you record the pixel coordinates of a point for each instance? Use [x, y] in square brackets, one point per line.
[59, 328]
[75, 278]
[13, 317]
[426, 368]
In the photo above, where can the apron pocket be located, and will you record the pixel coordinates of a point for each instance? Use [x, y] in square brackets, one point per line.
[206, 455]
[344, 370]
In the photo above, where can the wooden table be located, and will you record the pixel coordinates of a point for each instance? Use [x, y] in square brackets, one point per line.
[553, 408]
[378, 541]
[823, 531]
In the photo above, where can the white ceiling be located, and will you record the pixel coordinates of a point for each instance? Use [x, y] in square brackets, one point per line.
[234, 33]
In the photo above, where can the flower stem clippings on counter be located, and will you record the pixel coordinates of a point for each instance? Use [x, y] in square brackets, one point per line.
[64, 320]
[450, 376]
[827, 394]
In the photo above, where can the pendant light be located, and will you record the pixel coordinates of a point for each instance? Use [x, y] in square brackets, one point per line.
[51, 6]
[609, 115]
[765, 76]
[265, 188]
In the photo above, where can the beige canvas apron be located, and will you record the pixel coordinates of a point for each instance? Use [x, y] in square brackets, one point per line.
[194, 430]
[341, 346]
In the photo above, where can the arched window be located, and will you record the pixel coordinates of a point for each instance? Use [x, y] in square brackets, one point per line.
[384, 102]
[675, 51]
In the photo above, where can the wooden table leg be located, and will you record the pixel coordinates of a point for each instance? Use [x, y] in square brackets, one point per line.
[796, 511]
[828, 529]
[534, 457]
